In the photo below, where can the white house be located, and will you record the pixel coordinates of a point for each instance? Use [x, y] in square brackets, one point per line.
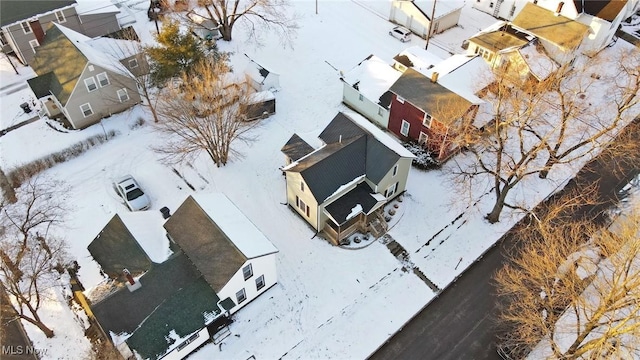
[260, 78]
[416, 15]
[365, 86]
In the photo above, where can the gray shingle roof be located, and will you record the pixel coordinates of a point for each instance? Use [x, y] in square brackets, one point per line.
[41, 85]
[213, 254]
[16, 10]
[296, 148]
[360, 195]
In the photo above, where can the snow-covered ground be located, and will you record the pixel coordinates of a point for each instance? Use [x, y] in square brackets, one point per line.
[329, 302]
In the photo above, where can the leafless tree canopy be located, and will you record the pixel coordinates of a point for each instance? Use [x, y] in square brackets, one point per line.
[31, 259]
[204, 113]
[573, 290]
[259, 15]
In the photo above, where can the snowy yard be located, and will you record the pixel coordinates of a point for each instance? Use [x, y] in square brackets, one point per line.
[330, 302]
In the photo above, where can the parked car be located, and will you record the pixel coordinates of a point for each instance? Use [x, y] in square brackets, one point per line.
[401, 33]
[129, 190]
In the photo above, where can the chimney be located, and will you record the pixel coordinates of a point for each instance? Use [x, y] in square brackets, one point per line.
[559, 8]
[340, 138]
[132, 285]
[434, 77]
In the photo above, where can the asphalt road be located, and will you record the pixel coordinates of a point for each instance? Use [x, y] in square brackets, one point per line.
[460, 322]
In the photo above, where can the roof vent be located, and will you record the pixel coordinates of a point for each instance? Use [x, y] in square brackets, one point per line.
[434, 76]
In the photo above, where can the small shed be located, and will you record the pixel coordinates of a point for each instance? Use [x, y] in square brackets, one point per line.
[261, 105]
[204, 28]
[260, 78]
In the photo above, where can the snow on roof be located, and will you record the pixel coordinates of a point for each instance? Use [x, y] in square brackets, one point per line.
[235, 225]
[421, 58]
[442, 7]
[91, 7]
[342, 187]
[261, 96]
[258, 72]
[355, 211]
[117, 48]
[373, 77]
[151, 238]
[463, 74]
[540, 65]
[93, 55]
[385, 139]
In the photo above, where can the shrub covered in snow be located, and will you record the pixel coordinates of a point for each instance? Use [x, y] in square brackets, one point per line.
[423, 160]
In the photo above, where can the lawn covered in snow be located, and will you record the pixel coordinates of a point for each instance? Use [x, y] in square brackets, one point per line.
[329, 302]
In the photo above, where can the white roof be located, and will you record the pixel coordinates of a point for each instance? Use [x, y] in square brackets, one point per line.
[540, 65]
[253, 70]
[442, 7]
[90, 7]
[151, 238]
[422, 59]
[374, 77]
[94, 55]
[385, 139]
[464, 75]
[235, 225]
[261, 96]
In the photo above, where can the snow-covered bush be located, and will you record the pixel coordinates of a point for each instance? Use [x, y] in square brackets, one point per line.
[424, 159]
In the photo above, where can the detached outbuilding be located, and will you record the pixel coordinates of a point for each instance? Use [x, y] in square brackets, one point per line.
[416, 15]
[260, 78]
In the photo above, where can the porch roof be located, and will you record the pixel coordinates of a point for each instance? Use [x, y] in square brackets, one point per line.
[341, 209]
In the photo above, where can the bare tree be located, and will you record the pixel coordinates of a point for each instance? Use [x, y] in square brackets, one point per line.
[260, 16]
[206, 113]
[573, 289]
[30, 258]
[582, 123]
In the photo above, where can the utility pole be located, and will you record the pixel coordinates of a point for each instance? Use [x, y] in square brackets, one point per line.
[11, 62]
[433, 13]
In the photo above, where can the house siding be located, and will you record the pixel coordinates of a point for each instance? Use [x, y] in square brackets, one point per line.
[402, 175]
[405, 13]
[203, 336]
[104, 100]
[263, 265]
[293, 189]
[94, 25]
[366, 107]
[20, 41]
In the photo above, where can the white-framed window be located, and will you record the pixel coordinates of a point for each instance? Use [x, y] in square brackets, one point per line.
[426, 120]
[60, 17]
[302, 206]
[241, 296]
[512, 11]
[395, 170]
[103, 80]
[391, 190]
[26, 27]
[86, 109]
[247, 271]
[34, 44]
[123, 95]
[188, 341]
[90, 83]
[423, 138]
[379, 111]
[400, 99]
[404, 129]
[360, 97]
[90, 67]
[133, 63]
[260, 282]
[3, 39]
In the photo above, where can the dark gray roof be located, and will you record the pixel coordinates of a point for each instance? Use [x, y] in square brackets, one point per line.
[213, 254]
[429, 96]
[115, 249]
[385, 99]
[604, 9]
[296, 148]
[360, 195]
[378, 157]
[16, 10]
[45, 84]
[332, 166]
[173, 296]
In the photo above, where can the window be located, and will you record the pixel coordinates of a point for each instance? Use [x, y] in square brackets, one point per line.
[491, 4]
[379, 111]
[188, 341]
[26, 27]
[3, 39]
[123, 95]
[241, 296]
[133, 63]
[260, 282]
[423, 138]
[302, 206]
[360, 97]
[391, 190]
[103, 79]
[90, 67]
[34, 44]
[404, 130]
[90, 83]
[86, 109]
[302, 186]
[426, 121]
[512, 11]
[395, 170]
[247, 271]
[60, 17]
[400, 99]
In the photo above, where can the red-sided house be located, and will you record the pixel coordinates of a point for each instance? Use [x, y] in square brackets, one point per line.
[428, 112]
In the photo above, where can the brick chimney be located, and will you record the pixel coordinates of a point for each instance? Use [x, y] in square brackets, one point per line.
[434, 77]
